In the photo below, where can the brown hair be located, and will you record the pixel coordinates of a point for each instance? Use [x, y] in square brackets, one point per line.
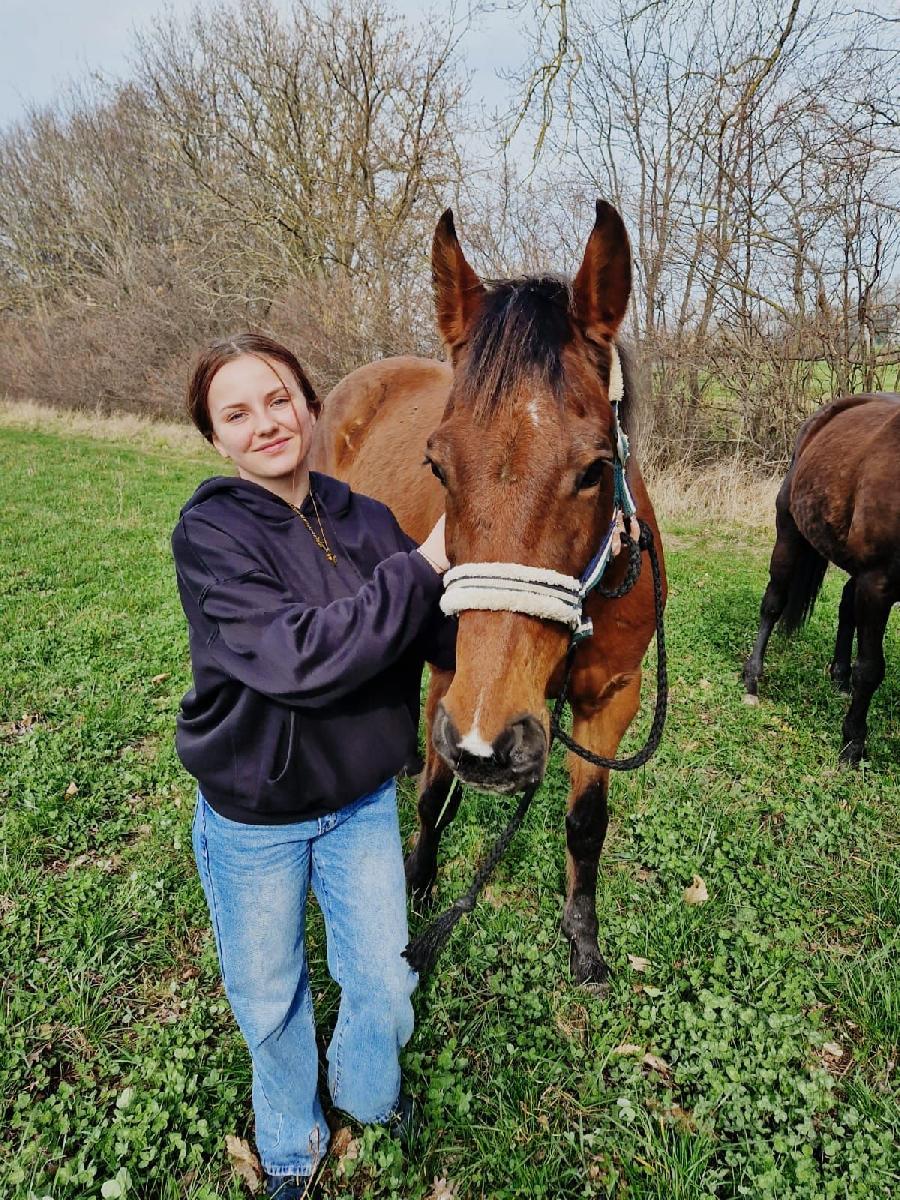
[215, 356]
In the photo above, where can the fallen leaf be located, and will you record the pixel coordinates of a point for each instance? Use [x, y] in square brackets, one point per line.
[833, 1050]
[442, 1189]
[160, 678]
[638, 964]
[628, 1048]
[696, 893]
[750, 700]
[17, 728]
[244, 1162]
[72, 789]
[683, 1118]
[34, 1055]
[642, 874]
[341, 1141]
[655, 1063]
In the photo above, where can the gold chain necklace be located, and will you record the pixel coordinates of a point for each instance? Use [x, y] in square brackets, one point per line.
[319, 538]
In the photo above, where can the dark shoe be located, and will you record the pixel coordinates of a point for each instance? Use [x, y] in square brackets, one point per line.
[292, 1187]
[401, 1124]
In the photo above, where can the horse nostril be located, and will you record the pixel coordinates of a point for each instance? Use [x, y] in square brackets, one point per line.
[521, 746]
[444, 736]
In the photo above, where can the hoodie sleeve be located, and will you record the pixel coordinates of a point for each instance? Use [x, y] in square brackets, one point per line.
[297, 654]
[438, 639]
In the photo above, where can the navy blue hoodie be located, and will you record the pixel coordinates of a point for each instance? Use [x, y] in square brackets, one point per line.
[306, 674]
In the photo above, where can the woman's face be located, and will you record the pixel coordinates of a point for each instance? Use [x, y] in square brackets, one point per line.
[260, 419]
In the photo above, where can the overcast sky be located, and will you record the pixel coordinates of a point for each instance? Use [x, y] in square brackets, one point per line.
[46, 43]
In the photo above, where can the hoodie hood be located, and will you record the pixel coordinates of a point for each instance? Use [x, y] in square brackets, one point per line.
[332, 494]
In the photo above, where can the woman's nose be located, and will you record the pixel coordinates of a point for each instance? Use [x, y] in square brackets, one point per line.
[264, 422]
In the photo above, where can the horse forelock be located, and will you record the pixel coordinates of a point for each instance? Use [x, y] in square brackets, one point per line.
[518, 335]
[519, 338]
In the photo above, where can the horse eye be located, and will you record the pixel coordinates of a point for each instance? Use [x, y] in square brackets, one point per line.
[591, 475]
[436, 471]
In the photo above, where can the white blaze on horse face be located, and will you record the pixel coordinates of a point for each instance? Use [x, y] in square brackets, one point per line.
[473, 743]
[534, 412]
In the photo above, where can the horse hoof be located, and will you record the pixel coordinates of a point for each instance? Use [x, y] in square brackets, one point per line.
[589, 969]
[419, 883]
[841, 680]
[751, 699]
[852, 753]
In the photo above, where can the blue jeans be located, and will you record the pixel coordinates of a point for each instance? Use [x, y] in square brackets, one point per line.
[256, 879]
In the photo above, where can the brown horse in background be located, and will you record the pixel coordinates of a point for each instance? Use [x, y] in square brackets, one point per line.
[840, 503]
[515, 439]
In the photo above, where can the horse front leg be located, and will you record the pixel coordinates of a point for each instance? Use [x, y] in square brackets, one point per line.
[436, 805]
[598, 725]
[843, 644]
[874, 598]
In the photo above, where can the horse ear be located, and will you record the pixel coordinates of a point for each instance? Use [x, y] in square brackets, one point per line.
[603, 284]
[457, 289]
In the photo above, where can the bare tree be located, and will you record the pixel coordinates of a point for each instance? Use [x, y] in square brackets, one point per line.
[753, 147]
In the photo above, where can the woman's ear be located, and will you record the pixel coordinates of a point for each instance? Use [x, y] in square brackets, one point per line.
[218, 445]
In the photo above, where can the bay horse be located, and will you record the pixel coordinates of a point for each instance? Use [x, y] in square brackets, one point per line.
[840, 503]
[515, 438]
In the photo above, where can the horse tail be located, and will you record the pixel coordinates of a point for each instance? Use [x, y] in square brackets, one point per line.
[804, 585]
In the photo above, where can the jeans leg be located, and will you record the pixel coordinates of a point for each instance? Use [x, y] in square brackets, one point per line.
[256, 879]
[357, 876]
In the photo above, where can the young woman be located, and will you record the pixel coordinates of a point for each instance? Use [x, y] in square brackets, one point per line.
[310, 615]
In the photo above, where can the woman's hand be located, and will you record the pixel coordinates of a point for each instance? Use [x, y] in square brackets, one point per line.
[433, 549]
[634, 532]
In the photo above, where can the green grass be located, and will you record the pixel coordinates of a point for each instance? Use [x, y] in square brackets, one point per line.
[774, 1006]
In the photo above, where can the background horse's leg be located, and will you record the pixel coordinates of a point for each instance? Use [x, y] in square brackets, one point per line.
[435, 811]
[874, 598]
[843, 645]
[789, 545]
[599, 728]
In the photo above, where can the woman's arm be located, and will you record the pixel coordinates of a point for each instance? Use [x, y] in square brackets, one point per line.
[439, 636]
[298, 654]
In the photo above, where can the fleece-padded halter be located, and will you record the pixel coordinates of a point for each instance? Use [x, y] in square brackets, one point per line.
[537, 591]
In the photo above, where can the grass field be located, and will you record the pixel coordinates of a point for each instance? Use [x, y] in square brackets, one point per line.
[753, 1053]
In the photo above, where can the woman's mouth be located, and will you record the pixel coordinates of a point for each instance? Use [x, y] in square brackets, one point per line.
[274, 447]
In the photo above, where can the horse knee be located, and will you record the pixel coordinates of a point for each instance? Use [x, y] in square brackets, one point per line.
[868, 674]
[586, 822]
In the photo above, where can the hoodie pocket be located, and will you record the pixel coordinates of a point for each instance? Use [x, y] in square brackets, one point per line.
[284, 749]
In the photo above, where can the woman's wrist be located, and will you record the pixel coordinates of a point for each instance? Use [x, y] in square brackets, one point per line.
[435, 566]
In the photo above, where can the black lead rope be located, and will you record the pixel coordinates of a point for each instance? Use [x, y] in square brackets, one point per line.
[654, 737]
[423, 952]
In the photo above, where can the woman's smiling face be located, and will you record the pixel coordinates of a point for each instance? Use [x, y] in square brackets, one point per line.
[260, 420]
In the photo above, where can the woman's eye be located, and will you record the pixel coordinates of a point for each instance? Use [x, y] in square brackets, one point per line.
[235, 416]
[281, 400]
[591, 475]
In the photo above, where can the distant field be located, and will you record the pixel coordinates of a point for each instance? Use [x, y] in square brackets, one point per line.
[753, 1054]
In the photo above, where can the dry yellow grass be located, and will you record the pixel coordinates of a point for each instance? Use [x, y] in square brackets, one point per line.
[731, 492]
[127, 428]
[736, 493]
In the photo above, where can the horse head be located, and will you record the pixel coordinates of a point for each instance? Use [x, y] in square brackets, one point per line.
[524, 453]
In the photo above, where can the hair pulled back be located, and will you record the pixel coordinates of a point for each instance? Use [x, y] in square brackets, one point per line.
[216, 355]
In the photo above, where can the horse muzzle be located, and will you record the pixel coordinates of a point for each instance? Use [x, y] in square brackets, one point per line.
[515, 760]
